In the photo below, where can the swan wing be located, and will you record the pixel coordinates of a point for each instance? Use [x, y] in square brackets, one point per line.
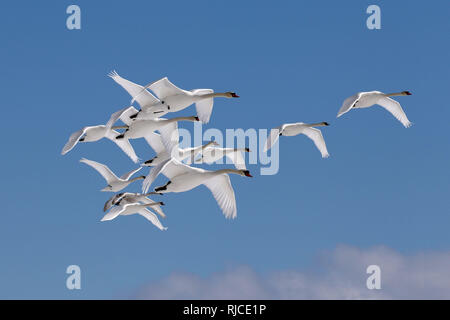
[170, 168]
[204, 107]
[169, 136]
[212, 154]
[220, 187]
[128, 175]
[237, 158]
[273, 137]
[316, 136]
[142, 96]
[395, 109]
[102, 169]
[113, 213]
[163, 88]
[73, 140]
[123, 114]
[154, 140]
[150, 216]
[157, 208]
[110, 202]
[348, 104]
[124, 144]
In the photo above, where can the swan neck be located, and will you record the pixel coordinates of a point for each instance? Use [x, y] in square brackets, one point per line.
[394, 94]
[181, 119]
[214, 95]
[137, 178]
[222, 171]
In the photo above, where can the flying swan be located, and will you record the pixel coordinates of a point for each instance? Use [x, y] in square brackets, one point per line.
[368, 99]
[95, 133]
[184, 178]
[114, 183]
[129, 208]
[121, 198]
[293, 129]
[175, 99]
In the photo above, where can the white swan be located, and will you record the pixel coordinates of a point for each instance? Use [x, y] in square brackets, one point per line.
[293, 129]
[146, 99]
[176, 99]
[114, 183]
[212, 154]
[368, 99]
[181, 154]
[129, 208]
[141, 128]
[184, 178]
[95, 133]
[121, 198]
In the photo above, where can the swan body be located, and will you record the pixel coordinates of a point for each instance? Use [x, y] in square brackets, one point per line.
[141, 128]
[127, 208]
[175, 99]
[368, 99]
[184, 178]
[95, 133]
[213, 154]
[293, 129]
[115, 184]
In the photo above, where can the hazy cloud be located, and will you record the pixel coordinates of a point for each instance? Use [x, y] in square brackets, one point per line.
[338, 274]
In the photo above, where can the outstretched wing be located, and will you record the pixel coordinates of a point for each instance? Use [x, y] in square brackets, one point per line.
[238, 160]
[113, 213]
[73, 140]
[142, 96]
[170, 137]
[110, 202]
[157, 208]
[348, 104]
[164, 88]
[123, 144]
[395, 109]
[102, 169]
[150, 216]
[223, 192]
[128, 175]
[123, 114]
[273, 137]
[154, 140]
[204, 107]
[316, 136]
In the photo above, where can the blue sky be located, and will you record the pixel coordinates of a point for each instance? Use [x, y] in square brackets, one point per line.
[290, 61]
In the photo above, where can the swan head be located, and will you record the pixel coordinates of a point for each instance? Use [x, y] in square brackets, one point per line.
[406, 93]
[325, 123]
[231, 94]
[247, 149]
[246, 173]
[107, 188]
[214, 143]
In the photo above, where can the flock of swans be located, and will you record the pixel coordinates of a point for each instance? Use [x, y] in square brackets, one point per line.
[161, 97]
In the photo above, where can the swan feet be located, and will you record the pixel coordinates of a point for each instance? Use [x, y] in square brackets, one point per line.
[163, 188]
[134, 116]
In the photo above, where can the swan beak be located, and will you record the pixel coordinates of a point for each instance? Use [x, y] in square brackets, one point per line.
[247, 174]
[197, 119]
[234, 95]
[408, 93]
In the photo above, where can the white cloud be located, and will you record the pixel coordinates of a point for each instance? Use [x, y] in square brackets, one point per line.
[340, 274]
